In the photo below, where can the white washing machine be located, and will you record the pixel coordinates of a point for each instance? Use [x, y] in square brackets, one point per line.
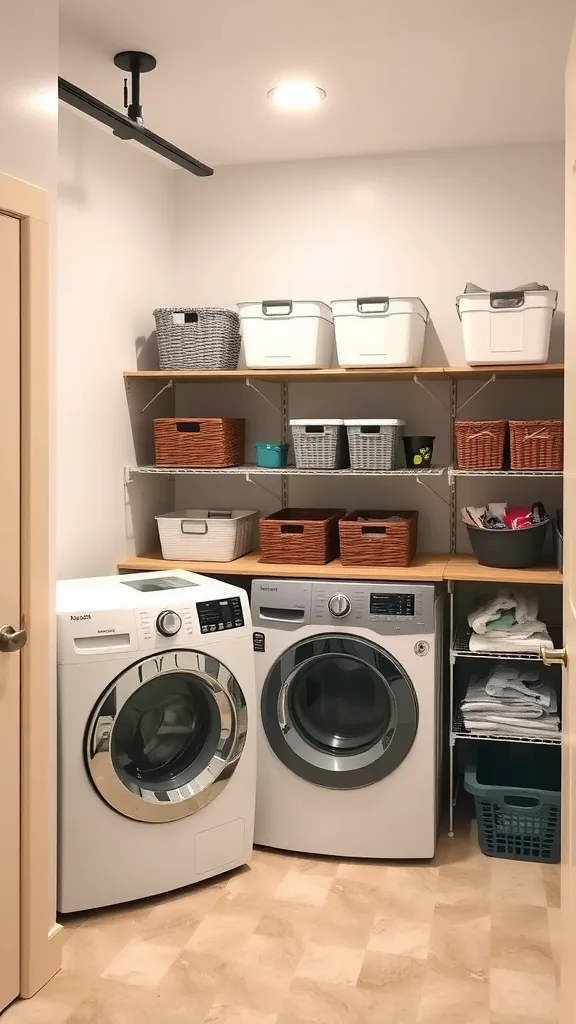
[156, 735]
[349, 681]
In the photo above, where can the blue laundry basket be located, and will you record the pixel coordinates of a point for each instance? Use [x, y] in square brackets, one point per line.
[516, 789]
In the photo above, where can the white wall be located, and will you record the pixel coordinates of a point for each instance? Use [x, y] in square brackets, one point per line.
[28, 73]
[115, 264]
[412, 224]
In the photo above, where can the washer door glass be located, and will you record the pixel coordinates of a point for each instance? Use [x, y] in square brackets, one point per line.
[166, 736]
[339, 711]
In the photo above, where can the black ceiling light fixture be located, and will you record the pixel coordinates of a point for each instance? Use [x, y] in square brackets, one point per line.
[130, 126]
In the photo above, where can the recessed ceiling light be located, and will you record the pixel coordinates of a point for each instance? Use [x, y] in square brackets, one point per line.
[296, 96]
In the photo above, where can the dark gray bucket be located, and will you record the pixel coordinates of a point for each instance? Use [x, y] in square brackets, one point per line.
[508, 549]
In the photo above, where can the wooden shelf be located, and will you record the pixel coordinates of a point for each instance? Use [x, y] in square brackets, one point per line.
[466, 567]
[503, 370]
[332, 376]
[337, 374]
[424, 568]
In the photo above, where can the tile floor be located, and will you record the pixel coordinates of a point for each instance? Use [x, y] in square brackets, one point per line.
[298, 940]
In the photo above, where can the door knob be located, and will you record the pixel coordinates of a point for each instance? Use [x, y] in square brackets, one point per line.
[556, 656]
[12, 639]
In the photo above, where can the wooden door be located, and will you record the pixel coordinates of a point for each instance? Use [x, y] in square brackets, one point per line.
[568, 970]
[10, 608]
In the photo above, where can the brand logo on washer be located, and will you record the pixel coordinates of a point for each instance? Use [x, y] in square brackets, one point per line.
[79, 618]
[421, 648]
[271, 590]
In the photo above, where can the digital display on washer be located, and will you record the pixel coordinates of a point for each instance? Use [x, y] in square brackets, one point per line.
[152, 586]
[391, 604]
[215, 616]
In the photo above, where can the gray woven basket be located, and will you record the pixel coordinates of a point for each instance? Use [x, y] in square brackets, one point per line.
[374, 447]
[318, 445]
[197, 339]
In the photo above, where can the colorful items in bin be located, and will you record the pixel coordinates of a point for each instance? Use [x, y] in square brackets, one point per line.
[380, 331]
[418, 451]
[213, 535]
[205, 338]
[516, 789]
[300, 536]
[536, 444]
[373, 444]
[480, 444]
[378, 538]
[202, 442]
[287, 333]
[506, 327]
[319, 444]
[271, 456]
[495, 544]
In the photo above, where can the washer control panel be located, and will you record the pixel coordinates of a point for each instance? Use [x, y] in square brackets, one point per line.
[217, 616]
[168, 623]
[339, 605]
[392, 604]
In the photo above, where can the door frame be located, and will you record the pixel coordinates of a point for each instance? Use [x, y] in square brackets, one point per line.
[40, 936]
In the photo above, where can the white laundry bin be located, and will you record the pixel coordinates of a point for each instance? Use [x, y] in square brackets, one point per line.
[287, 333]
[212, 535]
[506, 327]
[381, 331]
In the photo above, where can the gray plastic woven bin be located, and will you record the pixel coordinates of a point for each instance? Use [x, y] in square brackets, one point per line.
[374, 444]
[319, 444]
[197, 339]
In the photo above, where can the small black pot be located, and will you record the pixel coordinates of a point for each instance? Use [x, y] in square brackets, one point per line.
[418, 451]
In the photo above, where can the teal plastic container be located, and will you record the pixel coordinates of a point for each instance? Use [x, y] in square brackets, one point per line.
[271, 456]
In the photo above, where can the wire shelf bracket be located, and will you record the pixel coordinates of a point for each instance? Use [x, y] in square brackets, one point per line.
[253, 480]
[264, 397]
[166, 387]
[432, 491]
[417, 380]
[477, 392]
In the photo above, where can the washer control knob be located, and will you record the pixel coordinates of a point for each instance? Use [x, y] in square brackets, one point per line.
[339, 605]
[168, 623]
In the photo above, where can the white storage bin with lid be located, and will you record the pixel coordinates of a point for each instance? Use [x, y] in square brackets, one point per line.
[373, 444]
[380, 331]
[319, 444]
[506, 327]
[212, 535]
[287, 333]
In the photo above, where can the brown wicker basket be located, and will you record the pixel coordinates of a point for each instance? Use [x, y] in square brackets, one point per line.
[536, 444]
[371, 538]
[302, 536]
[480, 443]
[205, 443]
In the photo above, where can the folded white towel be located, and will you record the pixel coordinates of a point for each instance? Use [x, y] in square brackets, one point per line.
[525, 608]
[503, 712]
[502, 683]
[529, 730]
[486, 643]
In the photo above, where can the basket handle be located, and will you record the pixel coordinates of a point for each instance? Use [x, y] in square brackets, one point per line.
[219, 513]
[376, 530]
[281, 307]
[377, 300]
[369, 430]
[196, 526]
[543, 432]
[190, 316]
[189, 428]
[522, 801]
[482, 433]
[289, 528]
[315, 430]
[506, 300]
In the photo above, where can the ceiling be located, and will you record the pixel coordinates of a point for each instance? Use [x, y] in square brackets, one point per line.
[399, 74]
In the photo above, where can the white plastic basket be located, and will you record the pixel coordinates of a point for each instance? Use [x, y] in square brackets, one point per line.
[284, 332]
[212, 535]
[506, 327]
[374, 444]
[380, 331]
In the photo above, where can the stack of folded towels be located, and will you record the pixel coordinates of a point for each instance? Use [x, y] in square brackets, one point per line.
[508, 622]
[511, 702]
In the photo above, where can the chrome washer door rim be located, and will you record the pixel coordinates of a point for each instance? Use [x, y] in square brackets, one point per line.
[334, 770]
[167, 804]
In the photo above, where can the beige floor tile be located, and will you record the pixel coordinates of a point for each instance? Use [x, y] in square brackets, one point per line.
[506, 1018]
[304, 888]
[402, 938]
[221, 1013]
[347, 916]
[448, 999]
[223, 935]
[460, 940]
[410, 893]
[518, 882]
[313, 865]
[318, 1002]
[92, 948]
[284, 919]
[465, 882]
[521, 993]
[389, 988]
[254, 988]
[36, 1011]
[339, 965]
[141, 963]
[270, 953]
[371, 872]
[521, 938]
[194, 979]
[551, 875]
[555, 932]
